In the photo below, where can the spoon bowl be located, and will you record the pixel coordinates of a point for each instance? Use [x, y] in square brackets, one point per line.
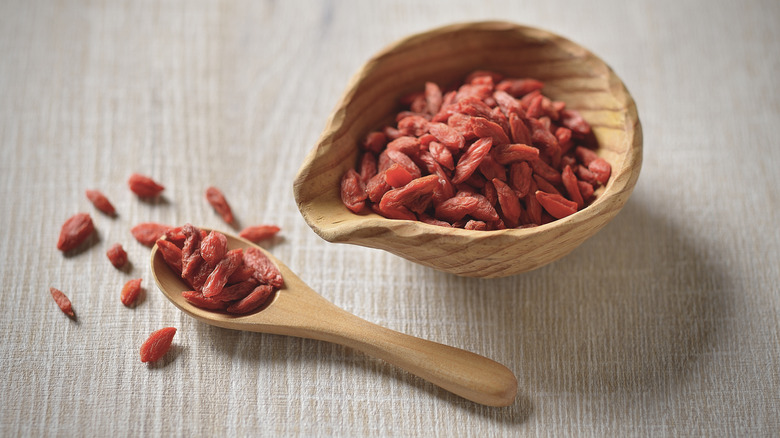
[297, 310]
[570, 73]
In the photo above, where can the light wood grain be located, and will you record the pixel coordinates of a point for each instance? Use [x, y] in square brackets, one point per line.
[571, 73]
[297, 310]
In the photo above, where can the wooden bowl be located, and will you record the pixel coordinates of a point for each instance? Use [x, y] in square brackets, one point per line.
[570, 72]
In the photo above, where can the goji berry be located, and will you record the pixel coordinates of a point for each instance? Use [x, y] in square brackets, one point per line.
[75, 231]
[353, 192]
[62, 301]
[171, 254]
[470, 160]
[397, 176]
[253, 301]
[222, 271]
[265, 270]
[117, 255]
[558, 206]
[510, 203]
[258, 233]
[130, 292]
[147, 233]
[572, 188]
[198, 300]
[157, 344]
[144, 186]
[101, 202]
[236, 291]
[213, 247]
[216, 198]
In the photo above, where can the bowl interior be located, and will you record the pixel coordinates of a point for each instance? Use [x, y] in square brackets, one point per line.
[445, 56]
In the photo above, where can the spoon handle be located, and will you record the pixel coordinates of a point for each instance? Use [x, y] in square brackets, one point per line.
[461, 372]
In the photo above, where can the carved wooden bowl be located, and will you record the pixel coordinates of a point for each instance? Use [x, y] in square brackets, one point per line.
[570, 72]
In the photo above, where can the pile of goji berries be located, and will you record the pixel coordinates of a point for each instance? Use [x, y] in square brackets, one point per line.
[204, 258]
[235, 280]
[489, 154]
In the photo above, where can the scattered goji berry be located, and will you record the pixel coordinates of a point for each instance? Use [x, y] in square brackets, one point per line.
[101, 202]
[117, 255]
[144, 186]
[147, 233]
[157, 344]
[130, 292]
[62, 301]
[75, 231]
[258, 233]
[216, 198]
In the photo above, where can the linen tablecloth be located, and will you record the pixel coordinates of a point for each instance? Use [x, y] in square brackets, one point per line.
[663, 324]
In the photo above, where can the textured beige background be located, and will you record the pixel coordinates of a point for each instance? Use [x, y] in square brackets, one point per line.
[665, 323]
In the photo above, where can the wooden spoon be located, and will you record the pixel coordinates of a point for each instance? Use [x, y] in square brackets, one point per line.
[297, 310]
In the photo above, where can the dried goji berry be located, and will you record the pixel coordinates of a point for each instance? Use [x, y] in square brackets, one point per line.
[510, 203]
[62, 301]
[519, 87]
[75, 231]
[236, 291]
[397, 176]
[117, 255]
[601, 169]
[213, 247]
[253, 301]
[171, 254]
[375, 142]
[101, 202]
[353, 192]
[485, 128]
[415, 195]
[157, 344]
[441, 154]
[222, 271]
[258, 233]
[406, 145]
[512, 153]
[265, 270]
[130, 292]
[447, 136]
[520, 177]
[144, 186]
[368, 167]
[558, 206]
[470, 160]
[413, 125]
[147, 233]
[198, 300]
[572, 188]
[216, 198]
[574, 121]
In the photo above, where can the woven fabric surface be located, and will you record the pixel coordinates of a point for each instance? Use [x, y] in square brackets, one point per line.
[663, 324]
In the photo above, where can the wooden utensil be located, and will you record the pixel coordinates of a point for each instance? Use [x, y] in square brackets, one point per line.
[446, 55]
[297, 310]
